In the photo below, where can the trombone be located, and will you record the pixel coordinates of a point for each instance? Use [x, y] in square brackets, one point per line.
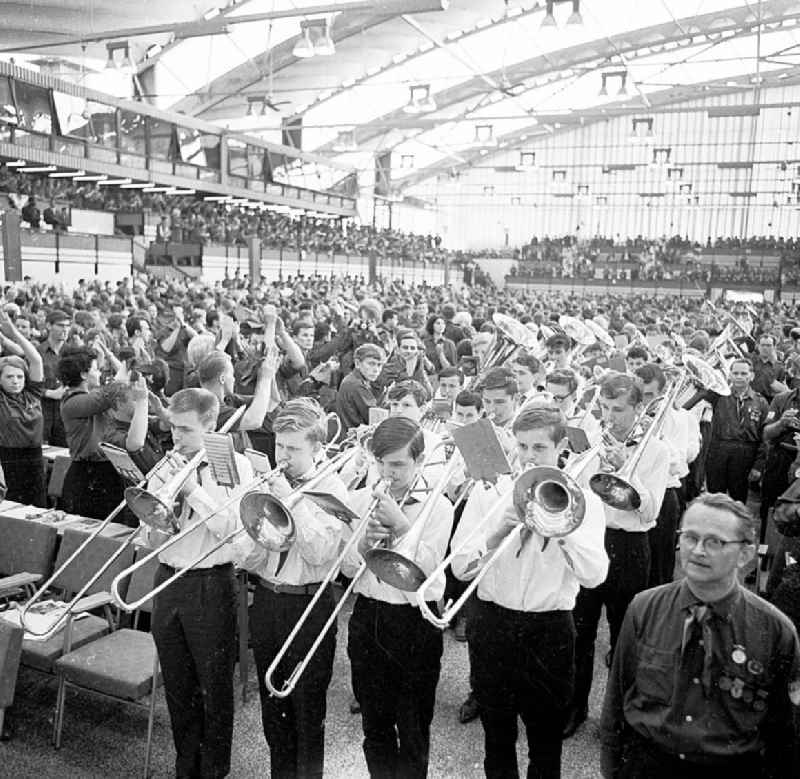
[546, 500]
[292, 679]
[263, 509]
[616, 489]
[168, 459]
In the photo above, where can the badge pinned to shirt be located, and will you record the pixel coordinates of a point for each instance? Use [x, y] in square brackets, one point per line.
[754, 667]
[794, 692]
[738, 655]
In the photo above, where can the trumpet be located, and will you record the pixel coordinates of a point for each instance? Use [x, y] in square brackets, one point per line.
[167, 461]
[289, 684]
[546, 500]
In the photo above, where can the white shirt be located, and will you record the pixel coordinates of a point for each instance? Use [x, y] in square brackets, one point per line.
[681, 434]
[318, 538]
[429, 553]
[649, 480]
[202, 503]
[527, 577]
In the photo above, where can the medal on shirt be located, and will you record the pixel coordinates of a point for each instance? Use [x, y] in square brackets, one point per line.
[737, 688]
[738, 654]
[754, 667]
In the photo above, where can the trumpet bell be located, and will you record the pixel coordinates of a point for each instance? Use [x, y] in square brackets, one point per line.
[267, 520]
[150, 509]
[549, 501]
[615, 491]
[395, 569]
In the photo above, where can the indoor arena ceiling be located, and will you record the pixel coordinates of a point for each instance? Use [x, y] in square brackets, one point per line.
[438, 88]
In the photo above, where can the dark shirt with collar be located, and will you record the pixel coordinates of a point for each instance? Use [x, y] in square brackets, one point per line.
[354, 400]
[780, 404]
[50, 365]
[656, 691]
[765, 372]
[739, 418]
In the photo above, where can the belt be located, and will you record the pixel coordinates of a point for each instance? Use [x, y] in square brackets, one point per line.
[210, 571]
[280, 588]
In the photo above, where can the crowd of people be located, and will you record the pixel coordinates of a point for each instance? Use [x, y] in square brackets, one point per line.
[763, 261]
[704, 673]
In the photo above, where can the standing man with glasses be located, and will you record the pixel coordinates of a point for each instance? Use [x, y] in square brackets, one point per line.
[706, 675]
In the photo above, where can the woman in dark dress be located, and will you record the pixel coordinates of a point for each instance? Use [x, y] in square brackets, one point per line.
[21, 420]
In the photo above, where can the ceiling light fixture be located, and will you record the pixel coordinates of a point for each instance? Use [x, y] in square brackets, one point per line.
[575, 17]
[315, 39]
[118, 54]
[420, 100]
[549, 18]
[527, 161]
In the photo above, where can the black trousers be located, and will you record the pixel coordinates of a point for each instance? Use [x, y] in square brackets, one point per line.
[775, 482]
[662, 539]
[728, 465]
[53, 431]
[194, 627]
[395, 658]
[23, 469]
[628, 574]
[92, 488]
[295, 726]
[522, 665]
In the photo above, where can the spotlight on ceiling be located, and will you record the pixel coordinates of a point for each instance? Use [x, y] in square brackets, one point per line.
[420, 100]
[315, 39]
[549, 18]
[575, 17]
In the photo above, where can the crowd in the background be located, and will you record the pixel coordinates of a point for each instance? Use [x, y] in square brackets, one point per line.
[763, 260]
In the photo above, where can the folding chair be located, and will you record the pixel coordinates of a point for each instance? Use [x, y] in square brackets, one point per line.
[42, 654]
[27, 553]
[55, 484]
[10, 651]
[122, 665]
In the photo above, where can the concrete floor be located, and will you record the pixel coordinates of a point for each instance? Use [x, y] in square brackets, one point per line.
[105, 739]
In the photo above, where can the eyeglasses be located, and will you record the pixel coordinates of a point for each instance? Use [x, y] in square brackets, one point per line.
[711, 544]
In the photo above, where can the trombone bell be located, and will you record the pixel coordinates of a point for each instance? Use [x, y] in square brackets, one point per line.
[395, 569]
[151, 509]
[264, 517]
[615, 491]
[549, 501]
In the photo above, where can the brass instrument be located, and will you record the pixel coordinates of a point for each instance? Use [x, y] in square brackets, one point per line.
[616, 489]
[262, 512]
[546, 500]
[291, 681]
[167, 461]
[511, 336]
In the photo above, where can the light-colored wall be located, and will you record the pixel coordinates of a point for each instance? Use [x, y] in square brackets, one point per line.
[643, 201]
